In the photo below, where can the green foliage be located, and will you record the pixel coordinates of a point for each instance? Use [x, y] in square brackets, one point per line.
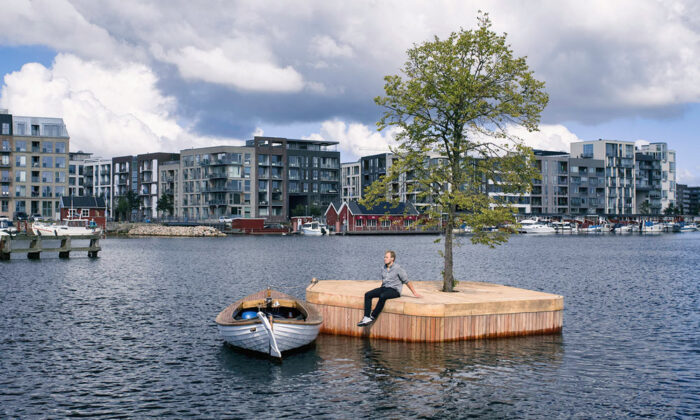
[123, 208]
[673, 210]
[299, 210]
[315, 211]
[645, 208]
[166, 203]
[454, 107]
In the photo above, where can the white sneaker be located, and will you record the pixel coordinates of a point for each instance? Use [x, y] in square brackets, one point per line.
[365, 321]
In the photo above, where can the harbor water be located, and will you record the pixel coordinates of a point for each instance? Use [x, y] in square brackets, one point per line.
[132, 333]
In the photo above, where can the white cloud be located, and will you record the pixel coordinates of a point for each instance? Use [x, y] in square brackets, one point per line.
[107, 111]
[325, 46]
[550, 137]
[355, 139]
[215, 66]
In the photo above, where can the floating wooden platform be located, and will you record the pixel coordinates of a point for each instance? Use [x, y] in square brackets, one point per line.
[475, 310]
[34, 245]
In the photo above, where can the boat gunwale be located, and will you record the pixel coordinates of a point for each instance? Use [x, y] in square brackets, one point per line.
[225, 317]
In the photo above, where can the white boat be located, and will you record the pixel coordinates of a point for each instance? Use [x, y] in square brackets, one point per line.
[535, 226]
[269, 322]
[75, 227]
[314, 229]
[590, 228]
[7, 226]
[651, 227]
[688, 227]
[563, 227]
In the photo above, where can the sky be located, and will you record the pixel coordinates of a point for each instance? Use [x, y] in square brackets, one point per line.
[131, 77]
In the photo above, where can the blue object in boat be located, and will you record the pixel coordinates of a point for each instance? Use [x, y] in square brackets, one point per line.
[249, 314]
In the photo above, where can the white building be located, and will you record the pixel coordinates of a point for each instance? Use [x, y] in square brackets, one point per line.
[667, 158]
[618, 158]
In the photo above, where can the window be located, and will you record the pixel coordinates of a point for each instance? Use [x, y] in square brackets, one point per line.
[47, 147]
[386, 223]
[60, 147]
[371, 223]
[72, 213]
[60, 162]
[588, 150]
[85, 213]
[20, 176]
[60, 191]
[6, 129]
[60, 177]
[407, 223]
[358, 223]
[21, 161]
[46, 162]
[46, 177]
[20, 146]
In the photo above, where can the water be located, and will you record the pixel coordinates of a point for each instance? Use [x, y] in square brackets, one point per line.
[132, 333]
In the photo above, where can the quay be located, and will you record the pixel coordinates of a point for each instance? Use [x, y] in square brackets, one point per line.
[35, 245]
[475, 310]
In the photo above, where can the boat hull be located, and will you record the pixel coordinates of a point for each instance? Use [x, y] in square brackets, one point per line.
[255, 337]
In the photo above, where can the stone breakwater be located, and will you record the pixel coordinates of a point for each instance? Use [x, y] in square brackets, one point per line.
[159, 230]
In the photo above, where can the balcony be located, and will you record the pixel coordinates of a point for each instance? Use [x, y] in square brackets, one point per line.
[6, 180]
[217, 175]
[218, 202]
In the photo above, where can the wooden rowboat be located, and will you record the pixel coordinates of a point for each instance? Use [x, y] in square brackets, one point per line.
[269, 322]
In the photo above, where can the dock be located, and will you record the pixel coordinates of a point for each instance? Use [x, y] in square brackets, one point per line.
[33, 245]
[475, 310]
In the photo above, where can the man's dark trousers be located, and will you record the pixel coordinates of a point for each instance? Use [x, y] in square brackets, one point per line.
[383, 293]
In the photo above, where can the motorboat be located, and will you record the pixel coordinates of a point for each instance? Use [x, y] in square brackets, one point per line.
[7, 226]
[269, 322]
[535, 226]
[589, 228]
[314, 229]
[73, 227]
[651, 227]
[563, 227]
[688, 227]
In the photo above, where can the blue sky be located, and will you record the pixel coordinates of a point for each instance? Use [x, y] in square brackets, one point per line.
[134, 77]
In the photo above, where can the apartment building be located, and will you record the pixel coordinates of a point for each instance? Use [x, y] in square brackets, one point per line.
[619, 172]
[147, 181]
[350, 181]
[294, 176]
[169, 184]
[213, 182]
[97, 174]
[76, 173]
[667, 166]
[688, 199]
[33, 165]
[550, 194]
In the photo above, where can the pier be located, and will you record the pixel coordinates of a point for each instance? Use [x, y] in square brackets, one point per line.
[33, 246]
[474, 310]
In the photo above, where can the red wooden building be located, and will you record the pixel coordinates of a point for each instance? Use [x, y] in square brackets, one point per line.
[354, 217]
[89, 209]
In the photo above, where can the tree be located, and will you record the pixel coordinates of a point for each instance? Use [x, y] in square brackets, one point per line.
[645, 208]
[672, 210]
[455, 108]
[123, 208]
[166, 203]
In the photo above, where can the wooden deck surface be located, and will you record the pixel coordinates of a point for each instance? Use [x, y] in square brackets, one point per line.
[475, 310]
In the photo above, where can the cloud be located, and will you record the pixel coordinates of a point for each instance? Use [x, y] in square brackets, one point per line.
[325, 46]
[355, 139]
[107, 111]
[550, 137]
[215, 66]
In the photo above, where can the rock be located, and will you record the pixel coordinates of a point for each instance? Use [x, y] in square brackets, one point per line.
[159, 230]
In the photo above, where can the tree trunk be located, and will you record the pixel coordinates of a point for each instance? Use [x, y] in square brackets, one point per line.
[447, 275]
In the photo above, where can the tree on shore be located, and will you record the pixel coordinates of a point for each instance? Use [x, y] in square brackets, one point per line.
[166, 203]
[455, 107]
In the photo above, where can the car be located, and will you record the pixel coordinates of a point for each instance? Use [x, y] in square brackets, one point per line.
[225, 219]
[20, 215]
[35, 217]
